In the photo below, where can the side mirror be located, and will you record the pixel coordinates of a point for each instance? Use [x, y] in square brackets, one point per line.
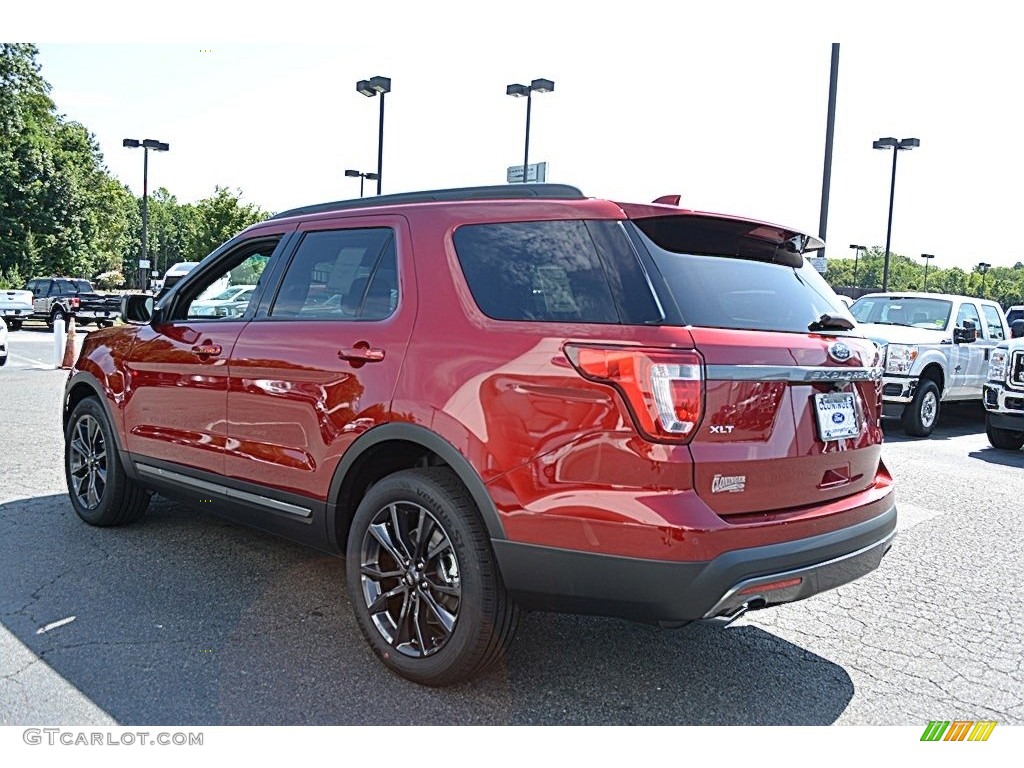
[1017, 329]
[137, 308]
[966, 335]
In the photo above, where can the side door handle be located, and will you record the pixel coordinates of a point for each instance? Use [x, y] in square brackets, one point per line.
[207, 350]
[361, 352]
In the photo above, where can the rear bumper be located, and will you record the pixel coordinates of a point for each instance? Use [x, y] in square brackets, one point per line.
[98, 314]
[656, 591]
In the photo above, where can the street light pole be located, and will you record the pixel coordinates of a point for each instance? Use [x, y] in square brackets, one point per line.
[377, 85]
[540, 85]
[156, 146]
[362, 176]
[856, 253]
[927, 257]
[983, 267]
[897, 146]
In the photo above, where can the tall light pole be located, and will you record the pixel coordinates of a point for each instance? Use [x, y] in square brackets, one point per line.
[540, 85]
[927, 257]
[983, 267]
[856, 253]
[897, 146]
[156, 146]
[377, 85]
[362, 176]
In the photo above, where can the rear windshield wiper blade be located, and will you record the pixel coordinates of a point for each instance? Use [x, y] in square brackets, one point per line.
[831, 323]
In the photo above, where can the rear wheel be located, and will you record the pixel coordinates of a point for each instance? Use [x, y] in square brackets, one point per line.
[922, 413]
[423, 581]
[52, 319]
[14, 325]
[1003, 439]
[100, 490]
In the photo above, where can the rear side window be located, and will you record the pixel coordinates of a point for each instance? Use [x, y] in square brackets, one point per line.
[555, 271]
[719, 278]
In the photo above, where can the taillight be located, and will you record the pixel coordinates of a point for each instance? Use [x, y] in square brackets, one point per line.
[75, 302]
[664, 390]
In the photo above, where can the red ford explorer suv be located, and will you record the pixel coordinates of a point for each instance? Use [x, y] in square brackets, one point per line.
[503, 398]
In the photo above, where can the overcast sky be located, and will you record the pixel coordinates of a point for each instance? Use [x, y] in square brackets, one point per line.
[722, 103]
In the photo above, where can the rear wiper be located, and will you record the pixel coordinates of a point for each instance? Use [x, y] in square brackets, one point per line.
[831, 323]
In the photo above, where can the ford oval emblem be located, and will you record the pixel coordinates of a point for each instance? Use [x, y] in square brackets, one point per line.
[839, 352]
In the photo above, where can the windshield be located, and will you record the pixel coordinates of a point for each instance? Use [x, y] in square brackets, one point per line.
[903, 310]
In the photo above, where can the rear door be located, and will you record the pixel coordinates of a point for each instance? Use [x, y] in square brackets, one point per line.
[792, 399]
[319, 364]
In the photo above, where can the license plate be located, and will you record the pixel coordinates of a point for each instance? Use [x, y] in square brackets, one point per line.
[837, 415]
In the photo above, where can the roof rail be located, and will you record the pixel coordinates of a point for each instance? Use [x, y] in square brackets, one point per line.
[496, 192]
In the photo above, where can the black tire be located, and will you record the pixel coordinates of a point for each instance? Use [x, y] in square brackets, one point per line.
[922, 413]
[101, 493]
[104, 323]
[1003, 439]
[3, 361]
[52, 319]
[457, 619]
[13, 325]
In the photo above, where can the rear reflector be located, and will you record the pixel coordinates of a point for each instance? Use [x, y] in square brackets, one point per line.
[770, 586]
[663, 389]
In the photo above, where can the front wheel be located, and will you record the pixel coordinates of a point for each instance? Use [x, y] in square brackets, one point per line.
[101, 492]
[922, 413]
[423, 581]
[1003, 439]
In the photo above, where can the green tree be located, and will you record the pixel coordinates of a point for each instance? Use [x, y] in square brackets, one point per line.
[219, 218]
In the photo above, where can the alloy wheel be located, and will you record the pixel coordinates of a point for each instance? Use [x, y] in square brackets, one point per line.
[88, 462]
[410, 579]
[929, 405]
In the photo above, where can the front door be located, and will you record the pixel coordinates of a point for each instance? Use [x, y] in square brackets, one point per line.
[176, 394]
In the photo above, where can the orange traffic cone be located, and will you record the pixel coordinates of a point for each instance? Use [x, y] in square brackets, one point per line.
[69, 345]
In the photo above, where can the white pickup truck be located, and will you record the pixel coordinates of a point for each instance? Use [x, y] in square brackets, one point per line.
[1004, 396]
[15, 307]
[937, 349]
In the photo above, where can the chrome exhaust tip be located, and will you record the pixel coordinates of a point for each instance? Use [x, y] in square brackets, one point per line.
[725, 619]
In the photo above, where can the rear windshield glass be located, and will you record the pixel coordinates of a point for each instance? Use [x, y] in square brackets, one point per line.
[903, 310]
[735, 282]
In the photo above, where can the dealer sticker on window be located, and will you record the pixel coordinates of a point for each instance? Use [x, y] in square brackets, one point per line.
[837, 415]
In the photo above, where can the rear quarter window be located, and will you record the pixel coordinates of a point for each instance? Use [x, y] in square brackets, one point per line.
[555, 271]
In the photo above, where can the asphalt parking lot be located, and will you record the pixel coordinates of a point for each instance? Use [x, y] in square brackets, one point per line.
[186, 619]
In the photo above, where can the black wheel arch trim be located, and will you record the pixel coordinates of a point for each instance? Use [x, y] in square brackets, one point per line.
[84, 378]
[414, 433]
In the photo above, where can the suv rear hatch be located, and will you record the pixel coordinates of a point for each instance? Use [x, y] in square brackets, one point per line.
[791, 407]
